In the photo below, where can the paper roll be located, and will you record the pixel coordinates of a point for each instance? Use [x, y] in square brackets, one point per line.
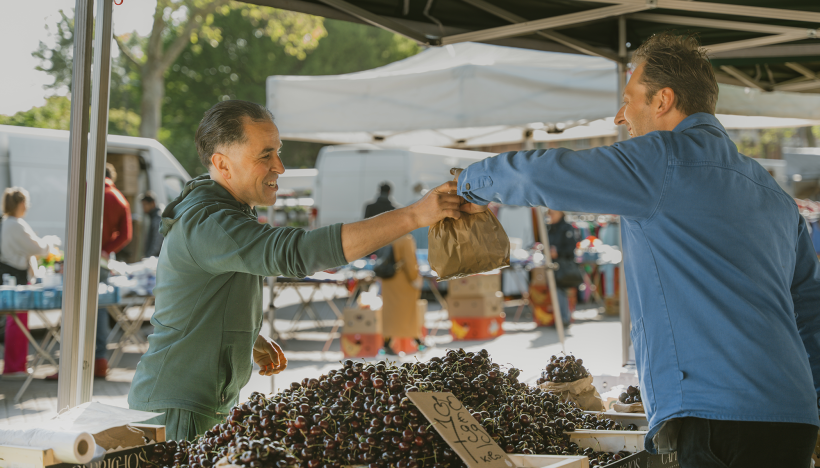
[68, 446]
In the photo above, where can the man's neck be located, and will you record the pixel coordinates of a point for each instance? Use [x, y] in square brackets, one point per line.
[217, 177]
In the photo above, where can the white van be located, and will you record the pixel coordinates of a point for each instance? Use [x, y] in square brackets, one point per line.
[37, 160]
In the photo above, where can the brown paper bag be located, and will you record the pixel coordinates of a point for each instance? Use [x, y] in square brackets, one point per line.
[628, 408]
[581, 392]
[472, 244]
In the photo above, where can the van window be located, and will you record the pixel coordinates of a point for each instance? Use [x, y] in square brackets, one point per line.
[173, 187]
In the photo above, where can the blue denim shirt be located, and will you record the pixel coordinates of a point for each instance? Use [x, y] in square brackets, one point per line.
[723, 281]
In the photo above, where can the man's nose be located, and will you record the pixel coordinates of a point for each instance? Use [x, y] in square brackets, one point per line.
[620, 119]
[277, 166]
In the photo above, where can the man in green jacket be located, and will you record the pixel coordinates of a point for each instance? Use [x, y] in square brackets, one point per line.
[209, 277]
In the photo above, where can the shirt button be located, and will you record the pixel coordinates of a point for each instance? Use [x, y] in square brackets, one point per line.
[682, 375]
[467, 187]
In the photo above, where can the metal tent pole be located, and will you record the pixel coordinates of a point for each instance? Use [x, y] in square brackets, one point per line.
[86, 175]
[556, 308]
[623, 300]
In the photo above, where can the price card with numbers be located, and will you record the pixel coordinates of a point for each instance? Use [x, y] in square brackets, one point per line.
[460, 430]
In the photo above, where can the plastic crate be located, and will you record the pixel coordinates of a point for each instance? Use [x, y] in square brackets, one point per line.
[48, 298]
[23, 298]
[109, 295]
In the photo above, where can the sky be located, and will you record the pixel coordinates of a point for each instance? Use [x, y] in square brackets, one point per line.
[22, 27]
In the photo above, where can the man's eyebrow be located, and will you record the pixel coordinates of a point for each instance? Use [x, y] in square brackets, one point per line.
[268, 150]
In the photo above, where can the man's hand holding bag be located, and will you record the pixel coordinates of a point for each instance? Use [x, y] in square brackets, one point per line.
[474, 243]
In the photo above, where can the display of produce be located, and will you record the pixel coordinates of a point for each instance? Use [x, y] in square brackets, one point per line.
[563, 369]
[631, 395]
[603, 458]
[360, 415]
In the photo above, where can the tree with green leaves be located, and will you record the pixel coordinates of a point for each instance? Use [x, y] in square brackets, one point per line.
[176, 25]
[229, 56]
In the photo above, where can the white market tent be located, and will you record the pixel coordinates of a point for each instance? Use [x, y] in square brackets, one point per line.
[469, 95]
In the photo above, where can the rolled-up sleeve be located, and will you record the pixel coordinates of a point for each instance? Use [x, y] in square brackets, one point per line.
[626, 178]
[234, 242]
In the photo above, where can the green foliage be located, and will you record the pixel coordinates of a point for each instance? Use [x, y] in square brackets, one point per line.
[229, 54]
[238, 67]
[58, 61]
[56, 114]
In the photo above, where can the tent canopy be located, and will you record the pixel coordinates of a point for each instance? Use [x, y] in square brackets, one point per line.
[469, 95]
[460, 86]
[751, 42]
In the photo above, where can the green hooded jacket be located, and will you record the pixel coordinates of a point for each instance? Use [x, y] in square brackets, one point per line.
[208, 309]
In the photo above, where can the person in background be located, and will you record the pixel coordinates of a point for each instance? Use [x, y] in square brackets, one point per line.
[401, 293]
[562, 245]
[19, 247]
[116, 234]
[382, 204]
[153, 240]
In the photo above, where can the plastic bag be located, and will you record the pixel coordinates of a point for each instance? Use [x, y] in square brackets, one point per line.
[581, 392]
[472, 244]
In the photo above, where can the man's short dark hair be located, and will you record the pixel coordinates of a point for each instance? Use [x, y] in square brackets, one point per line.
[224, 125]
[149, 197]
[678, 62]
[384, 188]
[110, 172]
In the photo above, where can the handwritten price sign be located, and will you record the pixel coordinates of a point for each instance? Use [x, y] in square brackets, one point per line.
[460, 430]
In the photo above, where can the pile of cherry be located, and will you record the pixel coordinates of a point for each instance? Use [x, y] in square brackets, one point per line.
[360, 415]
[631, 395]
[605, 458]
[563, 369]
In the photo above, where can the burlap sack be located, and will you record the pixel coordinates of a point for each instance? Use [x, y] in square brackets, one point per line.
[628, 408]
[581, 392]
[472, 244]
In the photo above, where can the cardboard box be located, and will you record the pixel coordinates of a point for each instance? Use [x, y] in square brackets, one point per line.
[365, 321]
[475, 285]
[476, 328]
[538, 276]
[356, 345]
[476, 306]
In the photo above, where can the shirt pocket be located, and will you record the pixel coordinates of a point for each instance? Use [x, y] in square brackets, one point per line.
[644, 363]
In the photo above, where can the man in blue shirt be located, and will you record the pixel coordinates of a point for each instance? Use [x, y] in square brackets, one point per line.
[723, 282]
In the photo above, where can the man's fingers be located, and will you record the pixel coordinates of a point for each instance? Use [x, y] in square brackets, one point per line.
[450, 186]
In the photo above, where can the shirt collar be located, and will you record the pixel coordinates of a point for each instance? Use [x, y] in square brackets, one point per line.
[698, 119]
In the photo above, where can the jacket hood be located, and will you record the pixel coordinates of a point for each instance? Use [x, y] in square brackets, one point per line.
[198, 191]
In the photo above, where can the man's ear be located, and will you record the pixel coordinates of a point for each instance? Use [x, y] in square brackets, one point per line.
[666, 101]
[222, 164]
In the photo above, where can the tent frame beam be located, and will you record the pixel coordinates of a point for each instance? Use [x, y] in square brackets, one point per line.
[762, 41]
[716, 24]
[722, 9]
[743, 78]
[378, 21]
[530, 27]
[580, 46]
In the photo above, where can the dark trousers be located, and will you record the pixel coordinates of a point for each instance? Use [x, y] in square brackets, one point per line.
[708, 443]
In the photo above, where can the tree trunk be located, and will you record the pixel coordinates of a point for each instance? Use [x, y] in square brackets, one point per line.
[153, 91]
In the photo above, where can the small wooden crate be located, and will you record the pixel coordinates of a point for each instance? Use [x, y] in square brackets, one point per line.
[609, 441]
[552, 461]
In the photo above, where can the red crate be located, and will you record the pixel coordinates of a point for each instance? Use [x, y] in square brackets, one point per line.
[476, 328]
[361, 344]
